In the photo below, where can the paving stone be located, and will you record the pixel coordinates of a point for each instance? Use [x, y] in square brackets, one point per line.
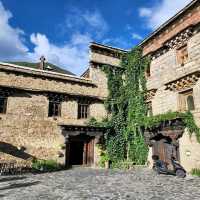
[97, 184]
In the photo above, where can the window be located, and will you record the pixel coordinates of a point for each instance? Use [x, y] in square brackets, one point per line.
[182, 55]
[3, 104]
[149, 109]
[190, 102]
[148, 72]
[186, 101]
[54, 108]
[83, 107]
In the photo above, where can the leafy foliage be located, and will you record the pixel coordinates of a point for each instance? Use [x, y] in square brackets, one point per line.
[124, 141]
[195, 172]
[187, 118]
[126, 103]
[45, 165]
[103, 159]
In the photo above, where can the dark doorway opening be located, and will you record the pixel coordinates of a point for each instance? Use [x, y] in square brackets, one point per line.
[76, 153]
[80, 150]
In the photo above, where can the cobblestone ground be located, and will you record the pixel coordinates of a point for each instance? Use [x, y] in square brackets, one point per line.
[92, 184]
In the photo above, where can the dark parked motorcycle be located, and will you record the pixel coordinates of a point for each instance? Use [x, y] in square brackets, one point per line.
[161, 168]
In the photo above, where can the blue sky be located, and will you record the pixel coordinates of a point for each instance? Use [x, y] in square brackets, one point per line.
[62, 29]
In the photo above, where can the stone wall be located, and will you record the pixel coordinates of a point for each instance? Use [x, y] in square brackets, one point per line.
[37, 83]
[165, 69]
[100, 79]
[104, 59]
[97, 110]
[26, 124]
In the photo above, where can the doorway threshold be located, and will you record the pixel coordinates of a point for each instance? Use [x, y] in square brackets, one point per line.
[81, 166]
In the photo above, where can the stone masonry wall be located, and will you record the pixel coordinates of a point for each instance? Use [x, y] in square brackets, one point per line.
[104, 59]
[100, 79]
[165, 69]
[42, 84]
[26, 124]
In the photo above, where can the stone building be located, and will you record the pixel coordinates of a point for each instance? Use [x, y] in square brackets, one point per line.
[44, 110]
[173, 78]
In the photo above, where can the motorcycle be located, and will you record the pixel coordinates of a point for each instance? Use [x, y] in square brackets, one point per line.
[161, 168]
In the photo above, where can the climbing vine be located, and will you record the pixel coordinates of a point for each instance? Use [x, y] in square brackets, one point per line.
[126, 103]
[186, 117]
[124, 141]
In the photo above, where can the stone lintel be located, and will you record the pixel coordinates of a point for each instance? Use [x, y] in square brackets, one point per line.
[81, 130]
[50, 94]
[170, 128]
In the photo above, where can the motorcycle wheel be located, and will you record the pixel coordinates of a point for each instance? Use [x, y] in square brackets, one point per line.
[180, 173]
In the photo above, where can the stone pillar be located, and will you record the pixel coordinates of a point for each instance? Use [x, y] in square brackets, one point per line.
[96, 150]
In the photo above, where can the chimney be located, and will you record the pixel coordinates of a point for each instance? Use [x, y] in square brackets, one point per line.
[42, 62]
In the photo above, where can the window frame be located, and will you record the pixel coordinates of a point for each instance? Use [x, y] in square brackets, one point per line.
[4, 104]
[182, 55]
[183, 100]
[83, 109]
[55, 105]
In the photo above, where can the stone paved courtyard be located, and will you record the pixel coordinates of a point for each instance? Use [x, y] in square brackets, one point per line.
[92, 184]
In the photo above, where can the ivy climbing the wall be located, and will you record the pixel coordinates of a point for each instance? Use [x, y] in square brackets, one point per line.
[124, 141]
[126, 104]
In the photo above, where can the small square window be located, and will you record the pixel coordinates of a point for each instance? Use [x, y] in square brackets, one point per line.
[83, 109]
[186, 101]
[182, 55]
[54, 108]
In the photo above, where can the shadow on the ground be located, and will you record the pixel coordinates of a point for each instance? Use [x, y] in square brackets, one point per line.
[19, 185]
[12, 179]
[14, 151]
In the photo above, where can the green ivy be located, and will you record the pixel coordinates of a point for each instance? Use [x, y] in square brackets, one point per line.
[126, 104]
[124, 141]
[187, 118]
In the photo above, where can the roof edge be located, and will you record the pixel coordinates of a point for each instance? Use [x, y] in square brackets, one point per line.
[61, 75]
[168, 22]
[107, 47]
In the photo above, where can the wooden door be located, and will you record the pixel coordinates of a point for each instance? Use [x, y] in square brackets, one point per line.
[160, 149]
[165, 150]
[88, 154]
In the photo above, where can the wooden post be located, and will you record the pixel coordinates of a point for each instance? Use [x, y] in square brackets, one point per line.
[85, 153]
[67, 151]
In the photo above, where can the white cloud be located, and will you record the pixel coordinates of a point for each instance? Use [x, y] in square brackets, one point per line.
[72, 55]
[162, 11]
[145, 12]
[136, 36]
[87, 21]
[96, 20]
[11, 39]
